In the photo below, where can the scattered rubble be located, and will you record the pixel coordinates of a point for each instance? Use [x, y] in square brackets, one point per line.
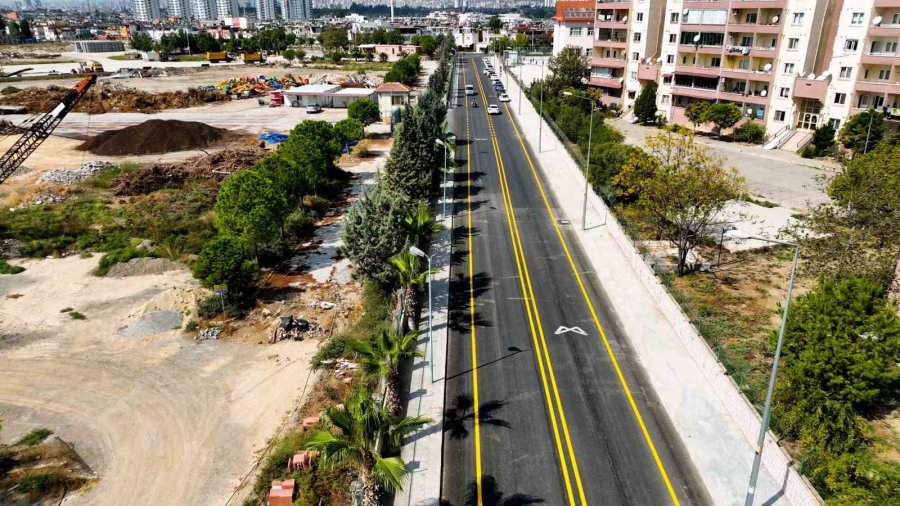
[209, 333]
[156, 136]
[259, 85]
[112, 97]
[9, 128]
[42, 198]
[72, 176]
[218, 166]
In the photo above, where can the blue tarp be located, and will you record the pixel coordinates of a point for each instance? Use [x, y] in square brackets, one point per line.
[272, 137]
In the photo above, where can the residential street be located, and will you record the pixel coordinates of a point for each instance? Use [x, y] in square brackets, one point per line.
[543, 400]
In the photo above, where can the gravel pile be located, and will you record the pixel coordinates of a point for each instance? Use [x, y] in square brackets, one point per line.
[209, 333]
[45, 197]
[151, 323]
[72, 176]
[143, 267]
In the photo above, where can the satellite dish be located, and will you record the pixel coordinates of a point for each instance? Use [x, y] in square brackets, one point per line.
[811, 76]
[767, 67]
[775, 19]
[763, 93]
[876, 21]
[624, 18]
[697, 38]
[685, 12]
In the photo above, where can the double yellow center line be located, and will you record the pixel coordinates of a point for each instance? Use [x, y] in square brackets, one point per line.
[545, 366]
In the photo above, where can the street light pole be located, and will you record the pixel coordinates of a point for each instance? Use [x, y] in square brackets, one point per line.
[521, 85]
[587, 166]
[450, 139]
[419, 253]
[767, 409]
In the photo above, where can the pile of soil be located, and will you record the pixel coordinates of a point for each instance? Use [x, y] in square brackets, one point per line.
[156, 136]
[215, 166]
[142, 267]
[112, 98]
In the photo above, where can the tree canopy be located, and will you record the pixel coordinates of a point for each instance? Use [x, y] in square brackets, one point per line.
[249, 205]
[862, 131]
[724, 115]
[568, 68]
[696, 112]
[228, 261]
[364, 111]
[333, 38]
[645, 105]
[373, 232]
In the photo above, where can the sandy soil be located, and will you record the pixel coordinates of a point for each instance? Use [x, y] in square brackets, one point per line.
[162, 419]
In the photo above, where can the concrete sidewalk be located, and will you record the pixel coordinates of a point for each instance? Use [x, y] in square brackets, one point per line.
[712, 419]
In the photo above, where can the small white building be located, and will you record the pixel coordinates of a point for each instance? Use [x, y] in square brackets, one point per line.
[391, 98]
[310, 94]
[346, 96]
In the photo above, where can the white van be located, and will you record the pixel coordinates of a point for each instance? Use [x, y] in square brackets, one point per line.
[470, 89]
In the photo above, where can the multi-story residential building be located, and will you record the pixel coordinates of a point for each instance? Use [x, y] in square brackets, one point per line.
[790, 65]
[178, 9]
[203, 9]
[296, 10]
[573, 25]
[227, 8]
[145, 10]
[265, 10]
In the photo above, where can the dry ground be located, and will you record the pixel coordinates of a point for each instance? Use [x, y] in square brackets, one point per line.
[162, 419]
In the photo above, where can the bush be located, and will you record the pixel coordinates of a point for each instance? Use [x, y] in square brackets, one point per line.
[75, 315]
[751, 132]
[364, 111]
[8, 268]
[300, 224]
[35, 437]
[808, 152]
[118, 256]
[228, 261]
[9, 90]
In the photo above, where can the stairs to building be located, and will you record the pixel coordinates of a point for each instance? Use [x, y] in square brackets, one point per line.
[798, 140]
[779, 138]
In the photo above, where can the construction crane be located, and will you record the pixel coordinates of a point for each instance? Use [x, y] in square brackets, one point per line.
[42, 128]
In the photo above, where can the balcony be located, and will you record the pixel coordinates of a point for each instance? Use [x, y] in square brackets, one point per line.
[690, 48]
[612, 24]
[754, 28]
[750, 75]
[606, 82]
[884, 30]
[618, 44]
[616, 63]
[746, 97]
[648, 72]
[880, 87]
[763, 4]
[613, 4]
[610, 100]
[887, 3]
[704, 93]
[810, 88]
[697, 70]
[705, 4]
[880, 59]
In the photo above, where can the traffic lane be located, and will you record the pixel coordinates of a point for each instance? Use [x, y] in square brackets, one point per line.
[604, 429]
[516, 441]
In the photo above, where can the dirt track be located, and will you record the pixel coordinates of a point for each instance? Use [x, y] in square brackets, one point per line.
[162, 419]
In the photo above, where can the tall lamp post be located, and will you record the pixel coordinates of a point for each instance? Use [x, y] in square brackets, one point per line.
[419, 253]
[448, 145]
[587, 166]
[522, 90]
[767, 408]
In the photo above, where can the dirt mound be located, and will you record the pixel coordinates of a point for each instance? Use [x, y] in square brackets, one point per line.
[156, 136]
[143, 267]
[112, 98]
[217, 166]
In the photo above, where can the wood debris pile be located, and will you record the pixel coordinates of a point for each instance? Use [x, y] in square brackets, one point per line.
[216, 166]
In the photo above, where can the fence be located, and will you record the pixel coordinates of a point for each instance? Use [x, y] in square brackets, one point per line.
[796, 488]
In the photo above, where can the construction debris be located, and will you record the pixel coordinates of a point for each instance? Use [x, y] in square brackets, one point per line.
[112, 97]
[258, 85]
[209, 333]
[9, 128]
[156, 136]
[216, 166]
[42, 198]
[72, 176]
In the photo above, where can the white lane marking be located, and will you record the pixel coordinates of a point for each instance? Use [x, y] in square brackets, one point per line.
[563, 330]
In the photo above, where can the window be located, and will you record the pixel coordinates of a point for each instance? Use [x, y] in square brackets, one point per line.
[590, 31]
[884, 74]
[673, 18]
[673, 38]
[750, 19]
[664, 99]
[857, 18]
[875, 47]
[397, 100]
[845, 72]
[890, 47]
[851, 45]
[779, 116]
[670, 58]
[635, 56]
[793, 43]
[667, 79]
[639, 17]
[575, 32]
[637, 36]
[895, 20]
[877, 101]
[746, 40]
[744, 64]
[788, 68]
[784, 92]
[634, 76]
[862, 101]
[840, 98]
[631, 95]
[706, 17]
[835, 124]
[715, 61]
[798, 19]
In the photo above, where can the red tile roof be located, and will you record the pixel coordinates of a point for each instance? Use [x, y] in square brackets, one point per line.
[392, 88]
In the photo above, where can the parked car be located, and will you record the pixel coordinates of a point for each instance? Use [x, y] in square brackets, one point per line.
[313, 109]
[504, 97]
[493, 109]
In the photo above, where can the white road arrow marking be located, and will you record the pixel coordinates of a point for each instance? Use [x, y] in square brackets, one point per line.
[563, 330]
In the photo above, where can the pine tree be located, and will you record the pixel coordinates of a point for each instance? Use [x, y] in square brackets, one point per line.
[645, 105]
[373, 231]
[404, 172]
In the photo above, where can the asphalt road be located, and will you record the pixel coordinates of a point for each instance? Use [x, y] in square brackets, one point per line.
[541, 404]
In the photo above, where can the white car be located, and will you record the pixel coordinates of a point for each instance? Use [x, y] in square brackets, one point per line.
[313, 109]
[470, 90]
[504, 97]
[493, 109]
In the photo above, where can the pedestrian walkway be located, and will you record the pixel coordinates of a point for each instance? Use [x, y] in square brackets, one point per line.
[693, 391]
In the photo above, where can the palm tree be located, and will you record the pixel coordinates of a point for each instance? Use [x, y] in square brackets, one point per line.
[421, 226]
[382, 356]
[359, 428]
[410, 274]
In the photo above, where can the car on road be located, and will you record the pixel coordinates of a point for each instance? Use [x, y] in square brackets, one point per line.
[313, 109]
[493, 109]
[504, 97]
[470, 89]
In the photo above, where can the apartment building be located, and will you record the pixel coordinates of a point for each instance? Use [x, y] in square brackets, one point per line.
[145, 10]
[573, 25]
[790, 65]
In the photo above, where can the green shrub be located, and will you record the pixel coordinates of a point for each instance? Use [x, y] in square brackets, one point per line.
[118, 256]
[808, 152]
[9, 90]
[300, 224]
[8, 268]
[106, 178]
[35, 437]
[75, 315]
[43, 483]
[751, 132]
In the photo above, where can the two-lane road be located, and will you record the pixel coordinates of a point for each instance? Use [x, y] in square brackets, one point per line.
[543, 400]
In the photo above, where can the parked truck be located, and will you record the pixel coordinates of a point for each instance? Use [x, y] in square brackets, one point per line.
[90, 67]
[252, 57]
[216, 56]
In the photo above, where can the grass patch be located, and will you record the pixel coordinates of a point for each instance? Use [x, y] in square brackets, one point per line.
[44, 483]
[8, 268]
[119, 256]
[75, 315]
[188, 57]
[35, 437]
[105, 179]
